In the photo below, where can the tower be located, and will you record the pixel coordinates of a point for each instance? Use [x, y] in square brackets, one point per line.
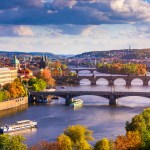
[44, 62]
[15, 62]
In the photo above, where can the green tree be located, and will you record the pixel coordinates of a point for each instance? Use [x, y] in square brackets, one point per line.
[8, 142]
[102, 144]
[32, 81]
[1, 96]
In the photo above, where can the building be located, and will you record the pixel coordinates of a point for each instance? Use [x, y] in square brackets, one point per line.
[7, 75]
[15, 62]
[25, 74]
[44, 63]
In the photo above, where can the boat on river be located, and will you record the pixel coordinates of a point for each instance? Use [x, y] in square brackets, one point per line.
[77, 103]
[18, 126]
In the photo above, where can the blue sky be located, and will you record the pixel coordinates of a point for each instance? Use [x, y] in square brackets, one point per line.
[74, 26]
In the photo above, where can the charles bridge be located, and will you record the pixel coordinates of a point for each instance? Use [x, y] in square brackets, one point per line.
[68, 95]
[110, 78]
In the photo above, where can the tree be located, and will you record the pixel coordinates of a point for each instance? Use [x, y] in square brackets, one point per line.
[8, 142]
[43, 145]
[141, 123]
[37, 84]
[65, 142]
[102, 144]
[79, 136]
[131, 141]
[137, 124]
[45, 74]
[32, 81]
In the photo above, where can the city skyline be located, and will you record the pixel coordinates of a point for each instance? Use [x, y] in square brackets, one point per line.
[74, 26]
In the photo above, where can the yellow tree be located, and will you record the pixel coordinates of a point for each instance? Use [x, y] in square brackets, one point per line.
[65, 142]
[102, 144]
[79, 136]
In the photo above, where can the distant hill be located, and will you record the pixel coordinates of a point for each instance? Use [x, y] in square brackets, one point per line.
[120, 54]
[20, 54]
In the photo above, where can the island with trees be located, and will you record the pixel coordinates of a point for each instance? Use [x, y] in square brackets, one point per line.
[120, 68]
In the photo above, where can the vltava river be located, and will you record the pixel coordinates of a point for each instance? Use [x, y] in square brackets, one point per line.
[96, 114]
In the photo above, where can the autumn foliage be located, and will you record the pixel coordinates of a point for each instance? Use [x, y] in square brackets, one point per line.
[131, 141]
[136, 69]
[12, 90]
[45, 74]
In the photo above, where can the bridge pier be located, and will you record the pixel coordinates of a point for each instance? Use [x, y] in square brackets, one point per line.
[68, 100]
[111, 83]
[93, 83]
[128, 83]
[112, 100]
[145, 83]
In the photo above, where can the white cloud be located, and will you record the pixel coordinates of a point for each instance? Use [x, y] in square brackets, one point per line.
[138, 8]
[23, 31]
[93, 32]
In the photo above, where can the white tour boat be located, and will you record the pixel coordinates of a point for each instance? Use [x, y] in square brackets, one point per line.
[18, 125]
[77, 103]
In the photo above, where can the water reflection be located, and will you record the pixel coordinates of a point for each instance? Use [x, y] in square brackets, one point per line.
[26, 132]
[13, 111]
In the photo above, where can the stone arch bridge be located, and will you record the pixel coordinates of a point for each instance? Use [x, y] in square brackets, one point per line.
[111, 79]
[77, 70]
[68, 95]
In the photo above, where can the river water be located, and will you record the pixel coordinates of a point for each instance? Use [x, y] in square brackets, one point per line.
[96, 114]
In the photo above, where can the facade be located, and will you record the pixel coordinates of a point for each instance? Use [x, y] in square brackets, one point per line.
[7, 75]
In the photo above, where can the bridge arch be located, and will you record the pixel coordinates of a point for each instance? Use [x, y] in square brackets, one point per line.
[93, 100]
[102, 81]
[119, 81]
[133, 101]
[85, 81]
[84, 71]
[137, 81]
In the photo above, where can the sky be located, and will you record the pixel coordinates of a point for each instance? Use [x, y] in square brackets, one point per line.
[74, 26]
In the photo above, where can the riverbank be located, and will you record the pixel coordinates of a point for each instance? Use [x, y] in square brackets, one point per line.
[13, 103]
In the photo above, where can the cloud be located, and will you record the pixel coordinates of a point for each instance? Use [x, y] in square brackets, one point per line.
[10, 4]
[94, 32]
[23, 31]
[64, 3]
[78, 12]
[138, 8]
[16, 31]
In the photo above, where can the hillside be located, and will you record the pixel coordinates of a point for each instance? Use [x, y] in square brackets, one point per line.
[120, 54]
[28, 54]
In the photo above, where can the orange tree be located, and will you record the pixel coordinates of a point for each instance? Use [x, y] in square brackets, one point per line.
[45, 74]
